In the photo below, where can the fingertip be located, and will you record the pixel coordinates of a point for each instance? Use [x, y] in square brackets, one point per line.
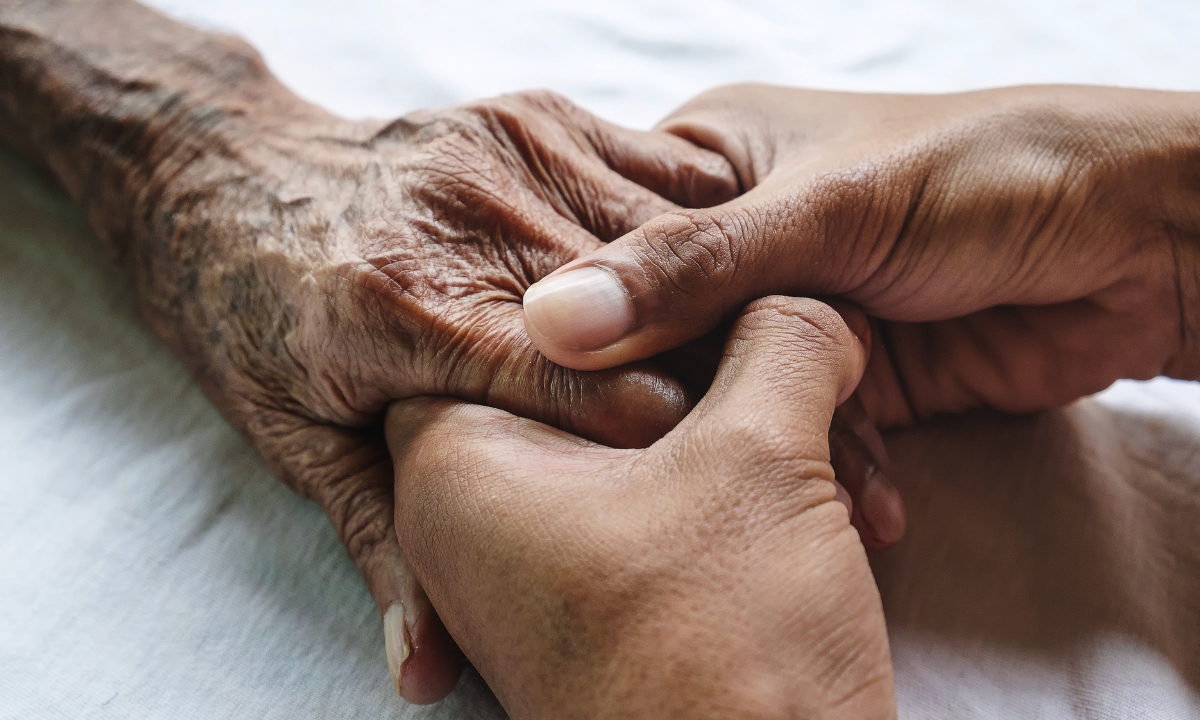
[424, 662]
[858, 345]
[576, 311]
[706, 178]
[629, 407]
[396, 642]
[435, 665]
[844, 498]
[855, 319]
[814, 325]
[860, 463]
[883, 509]
[666, 283]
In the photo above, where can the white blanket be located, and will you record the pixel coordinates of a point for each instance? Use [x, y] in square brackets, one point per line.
[150, 568]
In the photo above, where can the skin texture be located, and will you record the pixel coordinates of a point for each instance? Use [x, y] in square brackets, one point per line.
[712, 575]
[1016, 248]
[309, 270]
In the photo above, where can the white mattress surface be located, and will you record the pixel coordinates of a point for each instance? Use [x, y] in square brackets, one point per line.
[150, 567]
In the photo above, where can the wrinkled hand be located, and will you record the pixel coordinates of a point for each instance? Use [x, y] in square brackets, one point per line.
[310, 270]
[711, 575]
[1023, 246]
[333, 270]
[347, 266]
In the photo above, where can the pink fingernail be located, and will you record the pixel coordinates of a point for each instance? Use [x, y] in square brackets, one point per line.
[883, 509]
[844, 498]
[583, 309]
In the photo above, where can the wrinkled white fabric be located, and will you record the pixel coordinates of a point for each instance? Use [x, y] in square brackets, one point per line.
[150, 568]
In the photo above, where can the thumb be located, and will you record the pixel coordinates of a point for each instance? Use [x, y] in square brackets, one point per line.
[789, 362]
[758, 443]
[669, 281]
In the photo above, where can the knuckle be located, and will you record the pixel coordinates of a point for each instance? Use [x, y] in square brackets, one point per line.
[808, 323]
[545, 100]
[711, 177]
[785, 465]
[237, 61]
[846, 203]
[758, 437]
[396, 295]
[694, 251]
[485, 117]
[512, 111]
[476, 352]
[543, 124]
[525, 124]
[726, 96]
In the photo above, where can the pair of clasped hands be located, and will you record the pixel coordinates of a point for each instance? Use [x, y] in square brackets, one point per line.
[1016, 249]
[607, 399]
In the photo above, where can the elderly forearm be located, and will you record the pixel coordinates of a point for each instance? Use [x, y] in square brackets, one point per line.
[160, 133]
[117, 100]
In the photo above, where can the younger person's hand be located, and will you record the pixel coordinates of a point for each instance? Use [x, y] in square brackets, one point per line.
[1023, 246]
[712, 575]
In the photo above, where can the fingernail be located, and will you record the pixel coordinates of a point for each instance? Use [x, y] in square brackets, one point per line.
[860, 328]
[583, 309]
[395, 639]
[844, 498]
[883, 509]
[856, 417]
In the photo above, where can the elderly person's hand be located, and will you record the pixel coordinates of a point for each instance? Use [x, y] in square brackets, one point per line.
[309, 269]
[1023, 246]
[711, 575]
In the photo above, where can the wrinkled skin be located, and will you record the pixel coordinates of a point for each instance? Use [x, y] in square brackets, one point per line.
[309, 269]
[1019, 248]
[395, 268]
[710, 576]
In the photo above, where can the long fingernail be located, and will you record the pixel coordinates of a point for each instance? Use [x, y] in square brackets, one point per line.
[583, 309]
[395, 638]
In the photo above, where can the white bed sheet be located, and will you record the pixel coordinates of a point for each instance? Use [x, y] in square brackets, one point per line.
[150, 568]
